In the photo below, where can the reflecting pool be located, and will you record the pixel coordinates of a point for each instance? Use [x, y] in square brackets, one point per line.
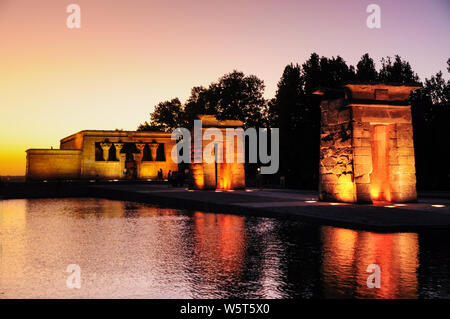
[129, 250]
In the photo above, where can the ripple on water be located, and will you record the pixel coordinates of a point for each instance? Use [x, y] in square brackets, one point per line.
[129, 250]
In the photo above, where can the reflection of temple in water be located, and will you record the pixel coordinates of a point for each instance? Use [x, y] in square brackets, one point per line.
[212, 255]
[236, 256]
[348, 253]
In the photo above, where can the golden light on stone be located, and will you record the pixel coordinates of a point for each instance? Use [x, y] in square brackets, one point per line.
[342, 265]
[105, 147]
[220, 176]
[379, 178]
[224, 176]
[154, 150]
[118, 146]
[86, 155]
[366, 149]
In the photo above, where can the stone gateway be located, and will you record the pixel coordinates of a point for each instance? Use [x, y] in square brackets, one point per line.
[366, 147]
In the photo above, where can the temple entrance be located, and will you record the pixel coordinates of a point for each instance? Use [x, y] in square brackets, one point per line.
[367, 146]
[380, 189]
[130, 166]
[215, 162]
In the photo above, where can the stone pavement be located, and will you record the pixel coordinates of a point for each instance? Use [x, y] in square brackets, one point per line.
[427, 214]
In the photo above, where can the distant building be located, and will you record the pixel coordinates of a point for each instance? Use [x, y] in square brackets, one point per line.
[94, 154]
[122, 155]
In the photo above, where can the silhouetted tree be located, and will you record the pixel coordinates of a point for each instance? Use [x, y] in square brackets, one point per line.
[431, 118]
[335, 72]
[326, 72]
[148, 127]
[234, 96]
[312, 74]
[365, 70]
[240, 97]
[438, 89]
[167, 116]
[286, 113]
[397, 71]
[201, 101]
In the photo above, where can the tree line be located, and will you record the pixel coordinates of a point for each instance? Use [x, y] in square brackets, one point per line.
[295, 110]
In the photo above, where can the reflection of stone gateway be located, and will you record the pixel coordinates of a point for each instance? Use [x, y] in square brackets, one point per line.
[367, 150]
[347, 253]
[103, 154]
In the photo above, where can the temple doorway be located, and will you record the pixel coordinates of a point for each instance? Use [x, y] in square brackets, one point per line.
[130, 166]
[380, 189]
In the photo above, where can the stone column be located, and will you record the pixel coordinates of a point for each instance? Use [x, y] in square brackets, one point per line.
[118, 147]
[362, 158]
[154, 150]
[140, 147]
[402, 171]
[138, 158]
[337, 182]
[121, 158]
[105, 147]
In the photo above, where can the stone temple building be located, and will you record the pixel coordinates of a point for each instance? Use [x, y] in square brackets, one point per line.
[218, 175]
[366, 147]
[104, 155]
[119, 155]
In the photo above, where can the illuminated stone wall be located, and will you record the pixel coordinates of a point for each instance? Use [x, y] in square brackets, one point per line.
[366, 149]
[53, 164]
[336, 156]
[114, 169]
[229, 175]
[77, 157]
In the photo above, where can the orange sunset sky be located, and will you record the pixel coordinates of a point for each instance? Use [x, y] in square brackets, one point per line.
[130, 55]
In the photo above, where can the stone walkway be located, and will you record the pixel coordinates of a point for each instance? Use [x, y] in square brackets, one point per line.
[427, 214]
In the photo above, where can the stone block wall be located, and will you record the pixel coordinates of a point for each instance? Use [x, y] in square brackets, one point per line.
[402, 164]
[53, 164]
[336, 156]
[91, 169]
[73, 142]
[114, 169]
[348, 153]
[229, 175]
[77, 159]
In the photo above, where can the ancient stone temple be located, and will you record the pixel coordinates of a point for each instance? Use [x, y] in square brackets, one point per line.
[366, 148]
[104, 155]
[217, 174]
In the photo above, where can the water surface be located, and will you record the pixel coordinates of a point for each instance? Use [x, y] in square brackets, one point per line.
[129, 250]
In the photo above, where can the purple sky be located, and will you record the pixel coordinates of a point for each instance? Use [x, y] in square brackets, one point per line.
[130, 55]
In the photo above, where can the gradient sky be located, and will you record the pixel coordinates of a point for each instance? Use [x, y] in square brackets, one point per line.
[130, 55]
